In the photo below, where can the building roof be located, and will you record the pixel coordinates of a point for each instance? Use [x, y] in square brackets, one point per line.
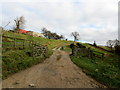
[22, 31]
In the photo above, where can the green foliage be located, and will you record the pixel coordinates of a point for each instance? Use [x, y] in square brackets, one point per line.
[94, 44]
[117, 49]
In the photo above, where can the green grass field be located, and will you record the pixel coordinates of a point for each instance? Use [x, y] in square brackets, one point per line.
[17, 59]
[44, 41]
[105, 71]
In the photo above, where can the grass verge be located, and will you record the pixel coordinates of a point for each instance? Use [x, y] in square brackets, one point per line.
[105, 71]
[14, 61]
[102, 71]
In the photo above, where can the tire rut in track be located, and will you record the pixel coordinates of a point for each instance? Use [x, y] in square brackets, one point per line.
[58, 71]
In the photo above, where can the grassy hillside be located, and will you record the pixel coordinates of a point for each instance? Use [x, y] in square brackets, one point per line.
[16, 59]
[106, 71]
[44, 41]
[96, 49]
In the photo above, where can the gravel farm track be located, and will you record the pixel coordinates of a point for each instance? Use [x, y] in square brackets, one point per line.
[58, 71]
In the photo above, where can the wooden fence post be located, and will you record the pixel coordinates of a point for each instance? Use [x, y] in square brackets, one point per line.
[23, 44]
[14, 42]
[33, 50]
[102, 56]
[29, 43]
[89, 53]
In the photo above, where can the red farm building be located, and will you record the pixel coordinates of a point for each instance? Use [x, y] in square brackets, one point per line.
[22, 31]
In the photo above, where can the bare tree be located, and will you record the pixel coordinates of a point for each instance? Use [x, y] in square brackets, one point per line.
[76, 36]
[61, 37]
[51, 35]
[110, 43]
[117, 46]
[116, 43]
[45, 32]
[19, 23]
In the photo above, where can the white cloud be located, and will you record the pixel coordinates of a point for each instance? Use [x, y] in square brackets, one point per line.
[94, 20]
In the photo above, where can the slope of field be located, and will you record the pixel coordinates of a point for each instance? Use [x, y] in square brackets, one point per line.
[44, 41]
[19, 58]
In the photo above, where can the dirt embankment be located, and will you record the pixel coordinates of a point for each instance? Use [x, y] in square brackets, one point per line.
[58, 71]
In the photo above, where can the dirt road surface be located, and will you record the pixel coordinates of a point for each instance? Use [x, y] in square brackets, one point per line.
[58, 71]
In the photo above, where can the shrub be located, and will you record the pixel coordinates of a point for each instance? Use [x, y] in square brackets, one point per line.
[117, 49]
[80, 45]
[71, 45]
[94, 44]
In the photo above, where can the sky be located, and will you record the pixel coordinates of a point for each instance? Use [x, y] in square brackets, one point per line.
[95, 20]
